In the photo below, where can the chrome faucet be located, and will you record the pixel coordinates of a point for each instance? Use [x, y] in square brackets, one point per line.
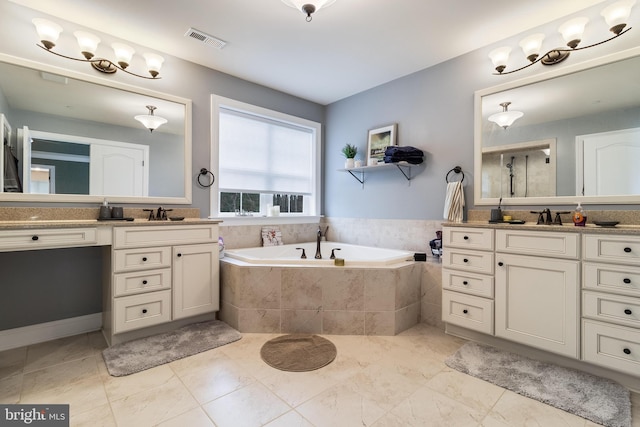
[318, 254]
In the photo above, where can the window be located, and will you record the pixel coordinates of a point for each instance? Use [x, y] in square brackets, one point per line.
[267, 161]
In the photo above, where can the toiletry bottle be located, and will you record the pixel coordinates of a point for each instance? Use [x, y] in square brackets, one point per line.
[579, 216]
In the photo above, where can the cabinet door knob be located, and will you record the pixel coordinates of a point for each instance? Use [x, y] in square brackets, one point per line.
[626, 351]
[465, 283]
[465, 311]
[466, 237]
[144, 311]
[501, 263]
[144, 282]
[34, 238]
[627, 311]
[465, 260]
[627, 250]
[627, 281]
[144, 258]
[179, 255]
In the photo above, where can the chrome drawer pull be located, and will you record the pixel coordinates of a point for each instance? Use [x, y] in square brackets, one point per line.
[627, 311]
[626, 351]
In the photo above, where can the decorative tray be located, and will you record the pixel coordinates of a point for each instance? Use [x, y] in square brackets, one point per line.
[606, 223]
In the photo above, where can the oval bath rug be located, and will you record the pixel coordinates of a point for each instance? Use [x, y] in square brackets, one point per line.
[298, 352]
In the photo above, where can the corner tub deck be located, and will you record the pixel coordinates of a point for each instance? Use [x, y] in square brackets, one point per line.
[289, 295]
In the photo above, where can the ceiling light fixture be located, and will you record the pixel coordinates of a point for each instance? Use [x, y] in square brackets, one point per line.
[308, 7]
[615, 15]
[151, 121]
[505, 118]
[49, 32]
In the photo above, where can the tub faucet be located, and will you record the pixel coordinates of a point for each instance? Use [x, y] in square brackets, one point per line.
[318, 254]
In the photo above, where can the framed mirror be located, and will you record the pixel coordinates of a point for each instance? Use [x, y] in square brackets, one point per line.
[586, 117]
[75, 138]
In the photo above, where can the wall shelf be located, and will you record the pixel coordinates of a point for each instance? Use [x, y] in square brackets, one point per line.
[403, 167]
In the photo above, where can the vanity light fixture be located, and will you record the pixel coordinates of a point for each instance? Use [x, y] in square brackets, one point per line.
[49, 32]
[308, 7]
[151, 121]
[615, 15]
[505, 118]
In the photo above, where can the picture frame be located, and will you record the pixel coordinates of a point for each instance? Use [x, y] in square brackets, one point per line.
[379, 139]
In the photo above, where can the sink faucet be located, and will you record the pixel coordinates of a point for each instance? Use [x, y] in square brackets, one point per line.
[547, 219]
[318, 254]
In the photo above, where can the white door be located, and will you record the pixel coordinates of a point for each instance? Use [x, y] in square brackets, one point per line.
[536, 302]
[611, 162]
[119, 171]
[195, 279]
[24, 166]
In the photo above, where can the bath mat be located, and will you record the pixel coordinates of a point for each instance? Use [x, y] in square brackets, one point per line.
[298, 352]
[145, 353]
[597, 399]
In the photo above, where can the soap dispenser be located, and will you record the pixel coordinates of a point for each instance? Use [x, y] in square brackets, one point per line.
[579, 216]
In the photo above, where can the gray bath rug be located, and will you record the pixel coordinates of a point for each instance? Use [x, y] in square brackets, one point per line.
[145, 353]
[597, 399]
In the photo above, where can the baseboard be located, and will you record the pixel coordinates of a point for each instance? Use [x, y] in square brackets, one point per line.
[33, 334]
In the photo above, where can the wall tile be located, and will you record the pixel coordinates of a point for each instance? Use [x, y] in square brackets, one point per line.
[301, 321]
[343, 289]
[379, 323]
[343, 322]
[259, 320]
[302, 288]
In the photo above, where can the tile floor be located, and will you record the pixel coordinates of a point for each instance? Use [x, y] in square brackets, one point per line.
[374, 381]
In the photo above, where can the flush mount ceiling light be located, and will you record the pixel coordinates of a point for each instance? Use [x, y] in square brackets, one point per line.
[505, 118]
[49, 32]
[615, 15]
[151, 121]
[308, 7]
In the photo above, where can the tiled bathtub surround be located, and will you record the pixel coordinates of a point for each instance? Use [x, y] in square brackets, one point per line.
[326, 300]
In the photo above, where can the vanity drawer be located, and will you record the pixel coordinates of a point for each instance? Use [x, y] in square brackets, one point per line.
[612, 346]
[140, 311]
[141, 259]
[542, 243]
[616, 249]
[469, 283]
[468, 311]
[611, 308]
[471, 238]
[12, 240]
[141, 281]
[472, 261]
[135, 237]
[611, 278]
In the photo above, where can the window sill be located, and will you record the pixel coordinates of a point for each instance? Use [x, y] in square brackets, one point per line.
[264, 220]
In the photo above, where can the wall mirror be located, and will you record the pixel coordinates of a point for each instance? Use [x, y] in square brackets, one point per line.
[73, 138]
[580, 129]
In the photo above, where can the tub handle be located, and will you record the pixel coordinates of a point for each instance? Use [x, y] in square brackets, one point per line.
[304, 255]
[333, 256]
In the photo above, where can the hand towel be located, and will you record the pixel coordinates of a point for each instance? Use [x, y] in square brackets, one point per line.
[454, 202]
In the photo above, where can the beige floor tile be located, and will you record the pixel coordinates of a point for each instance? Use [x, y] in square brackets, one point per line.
[298, 387]
[120, 387]
[340, 406]
[81, 395]
[515, 410]
[193, 418]
[290, 419]
[58, 351]
[60, 375]
[10, 389]
[246, 353]
[233, 409]
[98, 416]
[210, 375]
[476, 393]
[12, 361]
[153, 406]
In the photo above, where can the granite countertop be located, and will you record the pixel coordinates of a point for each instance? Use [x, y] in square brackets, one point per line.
[533, 226]
[72, 223]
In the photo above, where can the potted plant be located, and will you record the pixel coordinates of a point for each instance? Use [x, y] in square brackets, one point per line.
[349, 151]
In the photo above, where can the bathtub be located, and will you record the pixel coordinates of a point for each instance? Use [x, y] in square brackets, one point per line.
[354, 255]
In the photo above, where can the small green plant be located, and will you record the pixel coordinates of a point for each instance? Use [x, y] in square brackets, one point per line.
[350, 151]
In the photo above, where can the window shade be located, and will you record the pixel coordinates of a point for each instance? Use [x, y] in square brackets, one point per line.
[261, 155]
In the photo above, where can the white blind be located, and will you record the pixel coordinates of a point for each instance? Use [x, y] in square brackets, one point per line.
[261, 155]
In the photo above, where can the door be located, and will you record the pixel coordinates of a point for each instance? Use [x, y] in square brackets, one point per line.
[195, 280]
[119, 171]
[611, 162]
[536, 302]
[24, 166]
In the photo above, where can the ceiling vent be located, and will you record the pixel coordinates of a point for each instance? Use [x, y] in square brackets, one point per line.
[205, 38]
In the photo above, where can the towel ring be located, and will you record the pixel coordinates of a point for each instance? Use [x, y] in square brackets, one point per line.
[457, 169]
[206, 172]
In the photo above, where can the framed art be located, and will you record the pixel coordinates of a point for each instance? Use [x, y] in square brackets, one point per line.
[379, 140]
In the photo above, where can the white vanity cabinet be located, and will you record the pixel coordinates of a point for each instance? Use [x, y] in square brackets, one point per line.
[467, 278]
[159, 274]
[611, 301]
[537, 289]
